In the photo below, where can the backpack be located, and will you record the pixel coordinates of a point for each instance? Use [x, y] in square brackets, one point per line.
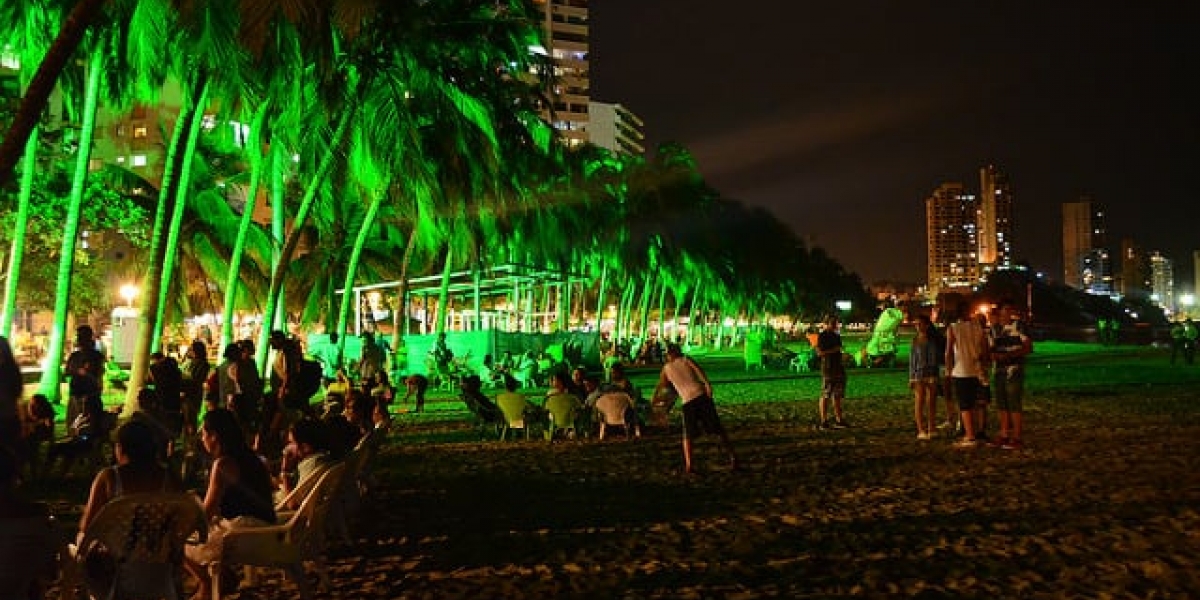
[308, 376]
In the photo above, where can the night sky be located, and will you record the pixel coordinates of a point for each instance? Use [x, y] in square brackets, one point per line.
[841, 118]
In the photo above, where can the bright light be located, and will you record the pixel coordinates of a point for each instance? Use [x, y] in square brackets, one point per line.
[843, 305]
[129, 292]
[1187, 299]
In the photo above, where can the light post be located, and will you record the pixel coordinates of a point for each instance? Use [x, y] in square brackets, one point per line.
[1186, 301]
[129, 291]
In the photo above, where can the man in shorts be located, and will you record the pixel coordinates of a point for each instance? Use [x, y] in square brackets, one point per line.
[966, 360]
[833, 375]
[699, 411]
[1010, 346]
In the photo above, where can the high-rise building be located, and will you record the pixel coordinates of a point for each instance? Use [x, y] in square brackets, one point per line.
[951, 239]
[1086, 261]
[567, 34]
[995, 222]
[613, 127]
[1162, 282]
[1134, 279]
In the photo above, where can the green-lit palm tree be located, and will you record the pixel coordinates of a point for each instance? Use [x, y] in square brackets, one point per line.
[81, 18]
[27, 29]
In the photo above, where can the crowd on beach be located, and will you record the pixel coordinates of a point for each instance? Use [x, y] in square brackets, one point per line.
[255, 445]
[259, 441]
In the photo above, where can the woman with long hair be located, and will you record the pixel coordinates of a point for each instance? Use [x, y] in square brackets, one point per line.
[239, 490]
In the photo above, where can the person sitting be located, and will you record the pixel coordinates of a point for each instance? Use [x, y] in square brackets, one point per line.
[239, 492]
[306, 455]
[489, 372]
[87, 432]
[486, 412]
[340, 434]
[517, 402]
[339, 387]
[149, 411]
[138, 471]
[561, 397]
[382, 391]
[26, 530]
[37, 428]
[619, 382]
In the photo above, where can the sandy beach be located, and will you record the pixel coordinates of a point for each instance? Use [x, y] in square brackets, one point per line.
[1102, 503]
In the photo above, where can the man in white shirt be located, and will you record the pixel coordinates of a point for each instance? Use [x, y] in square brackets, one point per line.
[699, 411]
[966, 356]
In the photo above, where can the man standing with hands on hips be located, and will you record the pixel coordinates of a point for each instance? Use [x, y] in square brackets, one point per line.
[699, 411]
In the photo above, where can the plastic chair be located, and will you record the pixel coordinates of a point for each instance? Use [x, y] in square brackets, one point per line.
[752, 353]
[615, 410]
[563, 410]
[514, 407]
[144, 535]
[284, 505]
[285, 546]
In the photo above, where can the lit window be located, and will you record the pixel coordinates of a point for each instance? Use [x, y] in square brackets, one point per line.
[209, 123]
[120, 160]
[139, 160]
[139, 132]
[122, 131]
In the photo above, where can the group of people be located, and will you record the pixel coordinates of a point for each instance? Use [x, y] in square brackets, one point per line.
[680, 377]
[245, 475]
[1184, 335]
[983, 357]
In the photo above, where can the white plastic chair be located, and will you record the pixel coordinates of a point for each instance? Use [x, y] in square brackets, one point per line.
[144, 536]
[286, 546]
[613, 408]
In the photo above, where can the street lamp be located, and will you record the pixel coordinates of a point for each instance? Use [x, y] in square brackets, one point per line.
[129, 292]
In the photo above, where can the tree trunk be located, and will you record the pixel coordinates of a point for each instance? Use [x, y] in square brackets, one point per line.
[37, 95]
[51, 382]
[600, 303]
[444, 292]
[17, 252]
[402, 293]
[146, 341]
[182, 192]
[233, 280]
[310, 193]
[352, 268]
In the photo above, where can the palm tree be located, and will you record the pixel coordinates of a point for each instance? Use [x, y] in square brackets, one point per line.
[82, 17]
[51, 376]
[27, 30]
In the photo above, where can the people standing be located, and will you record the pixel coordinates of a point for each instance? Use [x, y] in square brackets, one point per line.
[1010, 345]
[966, 353]
[833, 375]
[699, 410]
[1190, 336]
[85, 352]
[371, 359]
[924, 364]
[195, 372]
[415, 386]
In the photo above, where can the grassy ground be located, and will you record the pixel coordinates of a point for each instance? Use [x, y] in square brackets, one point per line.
[1102, 503]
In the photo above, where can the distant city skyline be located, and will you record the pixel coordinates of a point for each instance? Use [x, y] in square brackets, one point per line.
[841, 119]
